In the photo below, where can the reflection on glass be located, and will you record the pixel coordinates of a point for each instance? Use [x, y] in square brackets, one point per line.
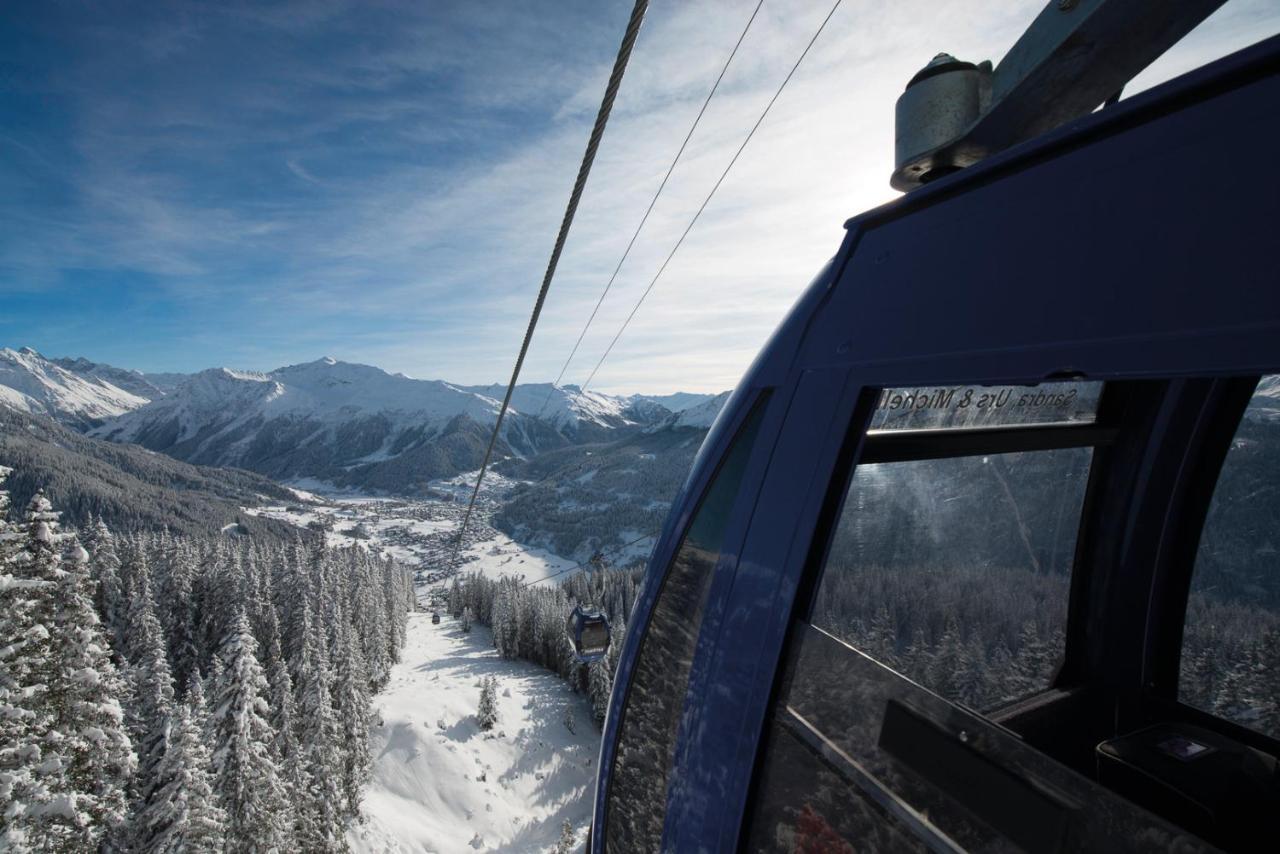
[655, 700]
[1231, 643]
[970, 407]
[955, 572]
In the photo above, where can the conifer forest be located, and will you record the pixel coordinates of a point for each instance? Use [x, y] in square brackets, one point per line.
[163, 693]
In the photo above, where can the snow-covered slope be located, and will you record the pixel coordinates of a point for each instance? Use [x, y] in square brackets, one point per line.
[700, 416]
[561, 405]
[440, 784]
[134, 382]
[31, 383]
[676, 402]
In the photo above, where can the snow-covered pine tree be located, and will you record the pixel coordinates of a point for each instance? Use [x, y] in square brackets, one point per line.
[22, 641]
[319, 813]
[41, 809]
[487, 710]
[175, 608]
[184, 814]
[351, 707]
[109, 597]
[455, 604]
[222, 599]
[284, 713]
[246, 779]
[372, 628]
[85, 713]
[152, 710]
[568, 839]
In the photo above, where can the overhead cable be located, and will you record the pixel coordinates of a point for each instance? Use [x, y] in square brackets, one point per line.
[626, 252]
[705, 201]
[588, 157]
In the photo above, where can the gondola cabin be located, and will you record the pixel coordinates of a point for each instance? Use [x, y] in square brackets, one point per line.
[984, 551]
[588, 632]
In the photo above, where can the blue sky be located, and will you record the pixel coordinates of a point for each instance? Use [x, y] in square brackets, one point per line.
[253, 185]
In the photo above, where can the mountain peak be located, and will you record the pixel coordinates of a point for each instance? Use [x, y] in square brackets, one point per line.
[32, 383]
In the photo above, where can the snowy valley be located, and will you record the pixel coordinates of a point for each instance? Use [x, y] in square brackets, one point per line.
[349, 469]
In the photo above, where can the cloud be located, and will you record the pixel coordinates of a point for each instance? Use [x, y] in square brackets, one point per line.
[384, 181]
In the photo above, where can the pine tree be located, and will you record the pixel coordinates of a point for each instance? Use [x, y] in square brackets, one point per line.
[22, 642]
[487, 711]
[351, 702]
[284, 721]
[320, 811]
[153, 706]
[42, 812]
[110, 598]
[568, 839]
[85, 710]
[184, 815]
[176, 611]
[246, 779]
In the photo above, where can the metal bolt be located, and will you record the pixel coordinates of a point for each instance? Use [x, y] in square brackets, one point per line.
[1067, 5]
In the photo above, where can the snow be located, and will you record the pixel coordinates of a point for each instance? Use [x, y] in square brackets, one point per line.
[500, 555]
[703, 415]
[440, 784]
[699, 416]
[560, 404]
[31, 383]
[676, 402]
[332, 392]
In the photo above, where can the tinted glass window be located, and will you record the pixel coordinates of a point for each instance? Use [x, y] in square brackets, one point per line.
[962, 407]
[655, 700]
[1231, 643]
[955, 572]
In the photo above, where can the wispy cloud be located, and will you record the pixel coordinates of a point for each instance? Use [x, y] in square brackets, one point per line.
[382, 182]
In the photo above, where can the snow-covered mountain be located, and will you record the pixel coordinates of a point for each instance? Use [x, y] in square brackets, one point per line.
[357, 425]
[134, 382]
[699, 416]
[78, 398]
[677, 402]
[354, 425]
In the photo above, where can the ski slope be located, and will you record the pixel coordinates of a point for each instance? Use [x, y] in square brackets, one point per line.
[439, 784]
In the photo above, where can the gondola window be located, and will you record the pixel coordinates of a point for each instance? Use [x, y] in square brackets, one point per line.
[955, 572]
[1230, 664]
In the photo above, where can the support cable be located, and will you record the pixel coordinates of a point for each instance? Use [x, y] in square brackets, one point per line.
[705, 201]
[588, 157]
[626, 252]
[583, 563]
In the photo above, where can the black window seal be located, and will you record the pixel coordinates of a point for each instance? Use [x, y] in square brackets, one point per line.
[915, 445]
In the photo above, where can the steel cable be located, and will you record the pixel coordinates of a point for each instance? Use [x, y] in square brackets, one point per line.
[626, 252]
[705, 201]
[588, 157]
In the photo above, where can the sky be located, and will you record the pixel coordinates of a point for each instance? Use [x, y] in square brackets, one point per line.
[191, 184]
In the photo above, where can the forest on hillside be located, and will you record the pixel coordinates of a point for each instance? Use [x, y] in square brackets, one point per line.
[163, 693]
